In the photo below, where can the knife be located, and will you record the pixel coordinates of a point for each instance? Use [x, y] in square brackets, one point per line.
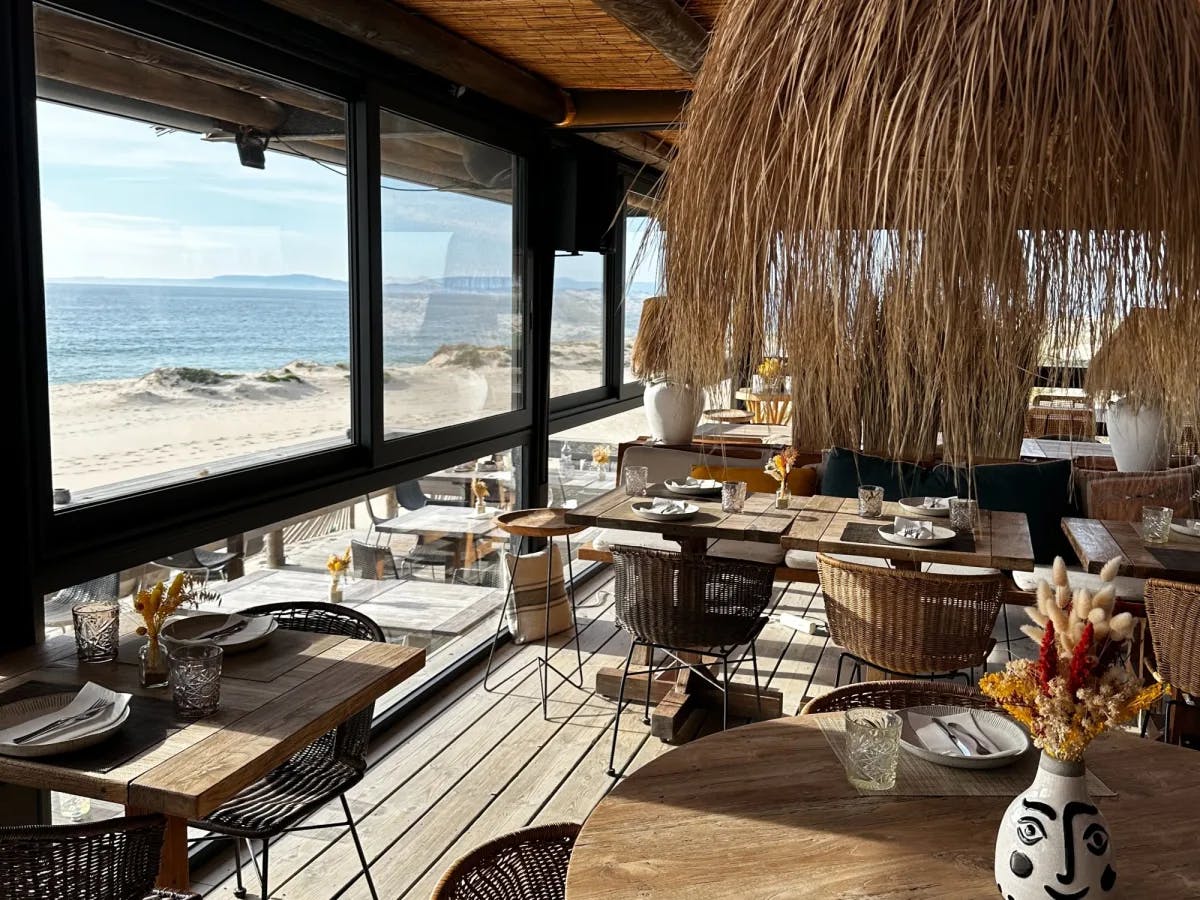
[963, 749]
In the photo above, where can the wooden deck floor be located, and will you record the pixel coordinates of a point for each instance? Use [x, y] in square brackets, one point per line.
[471, 765]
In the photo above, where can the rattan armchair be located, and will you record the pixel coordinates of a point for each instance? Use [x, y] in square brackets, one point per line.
[321, 772]
[58, 608]
[896, 694]
[909, 623]
[530, 864]
[116, 859]
[675, 603]
[1173, 612]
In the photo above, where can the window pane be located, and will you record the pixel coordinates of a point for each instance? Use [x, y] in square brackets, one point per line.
[577, 324]
[195, 253]
[643, 274]
[451, 303]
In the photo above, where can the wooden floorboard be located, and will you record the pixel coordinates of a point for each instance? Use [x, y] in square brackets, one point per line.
[473, 764]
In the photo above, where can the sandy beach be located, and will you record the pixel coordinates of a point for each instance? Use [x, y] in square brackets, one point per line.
[173, 420]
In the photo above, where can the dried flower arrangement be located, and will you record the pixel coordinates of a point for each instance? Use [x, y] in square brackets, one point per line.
[770, 370]
[336, 564]
[1080, 685]
[779, 465]
[160, 602]
[601, 454]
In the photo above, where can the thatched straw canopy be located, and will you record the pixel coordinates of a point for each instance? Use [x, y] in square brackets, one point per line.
[917, 201]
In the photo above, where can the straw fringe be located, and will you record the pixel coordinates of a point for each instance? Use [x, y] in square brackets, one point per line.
[919, 202]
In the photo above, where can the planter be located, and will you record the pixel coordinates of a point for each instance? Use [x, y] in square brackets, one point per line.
[1053, 841]
[672, 412]
[1138, 436]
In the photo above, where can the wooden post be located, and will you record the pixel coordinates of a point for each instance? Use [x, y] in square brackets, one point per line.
[390, 508]
[275, 555]
[237, 565]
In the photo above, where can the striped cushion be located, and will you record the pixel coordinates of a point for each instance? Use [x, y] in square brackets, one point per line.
[526, 615]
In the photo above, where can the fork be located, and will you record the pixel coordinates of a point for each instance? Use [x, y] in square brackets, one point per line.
[227, 631]
[96, 709]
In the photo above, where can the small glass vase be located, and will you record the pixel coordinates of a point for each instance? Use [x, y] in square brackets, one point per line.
[481, 509]
[335, 589]
[152, 664]
[783, 497]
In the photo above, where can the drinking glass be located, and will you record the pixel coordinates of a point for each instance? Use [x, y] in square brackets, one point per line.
[872, 748]
[964, 514]
[870, 501]
[733, 496]
[1156, 524]
[97, 627]
[636, 481]
[196, 679]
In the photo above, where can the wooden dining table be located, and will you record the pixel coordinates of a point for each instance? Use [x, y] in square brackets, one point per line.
[274, 701]
[765, 812]
[1096, 541]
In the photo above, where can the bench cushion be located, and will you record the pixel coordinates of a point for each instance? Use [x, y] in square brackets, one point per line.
[846, 470]
[1127, 588]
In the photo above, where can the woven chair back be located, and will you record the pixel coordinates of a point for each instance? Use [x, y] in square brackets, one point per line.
[348, 742]
[1173, 610]
[116, 859]
[671, 600]
[913, 623]
[1121, 499]
[372, 562]
[530, 864]
[896, 694]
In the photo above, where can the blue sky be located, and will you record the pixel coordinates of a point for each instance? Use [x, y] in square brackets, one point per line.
[122, 201]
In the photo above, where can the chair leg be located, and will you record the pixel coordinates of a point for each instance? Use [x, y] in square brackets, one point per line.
[240, 890]
[545, 667]
[362, 857]
[1007, 634]
[574, 618]
[725, 693]
[612, 753]
[757, 687]
[263, 875]
[649, 683]
[500, 621]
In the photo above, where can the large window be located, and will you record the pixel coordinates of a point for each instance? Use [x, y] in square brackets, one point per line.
[577, 324]
[643, 273]
[194, 233]
[451, 302]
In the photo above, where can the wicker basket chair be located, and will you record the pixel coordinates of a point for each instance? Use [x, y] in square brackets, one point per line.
[909, 623]
[115, 859]
[1173, 612]
[530, 864]
[671, 602]
[896, 694]
[322, 771]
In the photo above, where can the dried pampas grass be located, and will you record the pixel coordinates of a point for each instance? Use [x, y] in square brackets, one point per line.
[919, 202]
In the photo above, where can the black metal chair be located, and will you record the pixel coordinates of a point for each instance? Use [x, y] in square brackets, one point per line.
[208, 562]
[322, 771]
[681, 604]
[58, 607]
[438, 552]
[116, 859]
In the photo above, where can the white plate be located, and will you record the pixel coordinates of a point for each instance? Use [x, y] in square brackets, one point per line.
[912, 506]
[702, 488]
[1182, 527]
[940, 536]
[646, 511]
[23, 710]
[1005, 735]
[187, 628]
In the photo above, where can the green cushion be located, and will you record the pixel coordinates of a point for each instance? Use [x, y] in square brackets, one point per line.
[846, 470]
[1040, 490]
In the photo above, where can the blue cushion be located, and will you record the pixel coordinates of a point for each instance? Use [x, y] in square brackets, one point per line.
[1040, 490]
[846, 470]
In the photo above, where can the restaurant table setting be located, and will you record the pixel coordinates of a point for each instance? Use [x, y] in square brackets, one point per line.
[665, 510]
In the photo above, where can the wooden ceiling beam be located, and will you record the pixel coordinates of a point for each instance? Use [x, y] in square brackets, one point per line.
[421, 42]
[625, 110]
[665, 26]
[638, 146]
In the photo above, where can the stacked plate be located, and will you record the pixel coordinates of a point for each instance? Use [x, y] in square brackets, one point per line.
[694, 487]
[665, 510]
[61, 723]
[926, 506]
[961, 738]
[229, 631]
[930, 536]
[1190, 527]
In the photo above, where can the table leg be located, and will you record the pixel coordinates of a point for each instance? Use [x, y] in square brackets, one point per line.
[173, 871]
[20, 805]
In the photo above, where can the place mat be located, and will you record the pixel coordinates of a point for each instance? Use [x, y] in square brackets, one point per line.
[1182, 560]
[867, 533]
[282, 652]
[151, 721]
[917, 777]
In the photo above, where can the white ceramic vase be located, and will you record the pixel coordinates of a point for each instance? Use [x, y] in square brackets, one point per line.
[672, 412]
[1053, 841]
[1138, 436]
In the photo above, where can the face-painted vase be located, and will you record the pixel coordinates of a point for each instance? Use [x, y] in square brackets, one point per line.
[1053, 840]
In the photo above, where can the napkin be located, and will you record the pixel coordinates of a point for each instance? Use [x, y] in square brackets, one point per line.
[936, 503]
[256, 626]
[88, 694]
[665, 506]
[934, 739]
[912, 528]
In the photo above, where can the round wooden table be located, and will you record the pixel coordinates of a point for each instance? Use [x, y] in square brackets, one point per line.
[765, 811]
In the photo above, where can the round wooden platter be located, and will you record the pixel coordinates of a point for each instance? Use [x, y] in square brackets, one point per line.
[728, 416]
[538, 523]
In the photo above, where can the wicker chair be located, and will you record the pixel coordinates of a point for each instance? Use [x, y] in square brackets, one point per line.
[207, 562]
[322, 771]
[58, 607]
[909, 623]
[112, 860]
[896, 695]
[1173, 611]
[530, 864]
[667, 601]
[373, 562]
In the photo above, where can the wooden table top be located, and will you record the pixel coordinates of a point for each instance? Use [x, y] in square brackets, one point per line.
[759, 520]
[1097, 541]
[1001, 542]
[259, 725]
[441, 519]
[765, 811]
